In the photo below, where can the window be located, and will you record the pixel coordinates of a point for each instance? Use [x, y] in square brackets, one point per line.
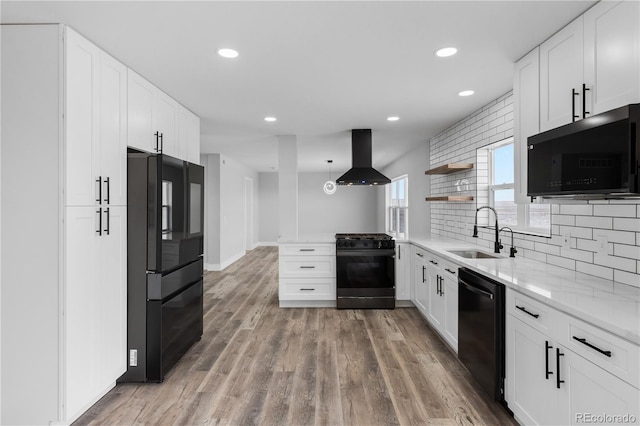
[528, 218]
[398, 207]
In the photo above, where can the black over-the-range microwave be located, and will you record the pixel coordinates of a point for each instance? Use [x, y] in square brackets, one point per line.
[596, 157]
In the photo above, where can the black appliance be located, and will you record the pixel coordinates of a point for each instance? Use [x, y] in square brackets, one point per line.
[365, 271]
[481, 333]
[362, 171]
[164, 261]
[597, 157]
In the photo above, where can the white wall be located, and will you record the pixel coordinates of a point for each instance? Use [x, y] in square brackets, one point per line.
[268, 202]
[618, 221]
[349, 209]
[413, 163]
[225, 201]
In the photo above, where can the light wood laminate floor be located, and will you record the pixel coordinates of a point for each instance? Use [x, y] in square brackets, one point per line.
[259, 364]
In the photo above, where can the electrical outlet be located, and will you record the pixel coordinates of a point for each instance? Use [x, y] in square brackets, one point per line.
[602, 244]
[133, 358]
[566, 240]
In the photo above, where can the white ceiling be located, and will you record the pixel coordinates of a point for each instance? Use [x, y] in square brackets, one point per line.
[322, 68]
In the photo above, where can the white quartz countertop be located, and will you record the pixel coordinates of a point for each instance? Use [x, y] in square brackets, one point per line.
[309, 239]
[611, 306]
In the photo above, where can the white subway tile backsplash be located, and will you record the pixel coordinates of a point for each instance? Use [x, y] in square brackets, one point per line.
[615, 210]
[618, 221]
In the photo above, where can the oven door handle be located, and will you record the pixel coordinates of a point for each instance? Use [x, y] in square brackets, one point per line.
[365, 252]
[475, 289]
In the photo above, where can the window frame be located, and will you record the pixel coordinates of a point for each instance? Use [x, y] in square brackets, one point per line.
[389, 208]
[523, 211]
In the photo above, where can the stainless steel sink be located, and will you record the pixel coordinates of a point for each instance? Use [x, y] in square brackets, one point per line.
[473, 254]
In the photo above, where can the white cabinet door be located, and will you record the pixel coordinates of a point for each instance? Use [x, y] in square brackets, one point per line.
[113, 131]
[81, 309]
[82, 63]
[403, 272]
[590, 390]
[561, 71]
[450, 324]
[113, 295]
[530, 390]
[612, 55]
[436, 301]
[165, 120]
[420, 285]
[183, 133]
[193, 141]
[526, 109]
[140, 122]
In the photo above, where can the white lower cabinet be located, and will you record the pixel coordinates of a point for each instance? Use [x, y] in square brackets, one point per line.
[307, 274]
[551, 382]
[436, 293]
[403, 271]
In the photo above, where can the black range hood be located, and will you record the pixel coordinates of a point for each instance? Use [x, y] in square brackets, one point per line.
[362, 173]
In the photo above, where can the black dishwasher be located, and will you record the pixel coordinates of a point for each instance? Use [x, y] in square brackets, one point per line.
[481, 330]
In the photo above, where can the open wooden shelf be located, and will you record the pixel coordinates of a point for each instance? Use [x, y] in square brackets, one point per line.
[449, 168]
[451, 198]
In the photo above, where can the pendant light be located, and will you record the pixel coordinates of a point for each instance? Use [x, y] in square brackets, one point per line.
[330, 185]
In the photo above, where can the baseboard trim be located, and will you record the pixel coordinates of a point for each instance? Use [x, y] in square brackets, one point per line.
[217, 267]
[267, 244]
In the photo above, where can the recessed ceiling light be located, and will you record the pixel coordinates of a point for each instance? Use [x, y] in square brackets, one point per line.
[446, 51]
[228, 53]
[270, 119]
[466, 93]
[393, 118]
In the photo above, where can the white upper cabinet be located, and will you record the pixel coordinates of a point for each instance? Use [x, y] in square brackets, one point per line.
[157, 123]
[95, 113]
[561, 76]
[140, 130]
[592, 65]
[612, 55]
[526, 104]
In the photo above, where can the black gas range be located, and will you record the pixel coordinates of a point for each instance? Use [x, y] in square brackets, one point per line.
[365, 271]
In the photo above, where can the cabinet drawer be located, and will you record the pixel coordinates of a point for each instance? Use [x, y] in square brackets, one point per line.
[448, 270]
[307, 250]
[307, 289]
[307, 266]
[611, 353]
[536, 314]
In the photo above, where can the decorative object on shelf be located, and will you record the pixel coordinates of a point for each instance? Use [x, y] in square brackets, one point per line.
[449, 168]
[330, 186]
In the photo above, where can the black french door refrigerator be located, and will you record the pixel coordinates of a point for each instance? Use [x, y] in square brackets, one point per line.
[164, 263]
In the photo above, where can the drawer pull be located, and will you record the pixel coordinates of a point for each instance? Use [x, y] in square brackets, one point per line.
[584, 342]
[307, 289]
[547, 346]
[307, 267]
[307, 249]
[558, 380]
[449, 271]
[420, 254]
[433, 262]
[523, 309]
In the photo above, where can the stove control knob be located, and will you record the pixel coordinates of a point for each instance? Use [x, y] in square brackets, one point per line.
[366, 244]
[385, 244]
[353, 244]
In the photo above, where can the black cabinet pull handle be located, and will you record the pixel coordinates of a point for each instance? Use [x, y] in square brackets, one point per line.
[307, 267]
[449, 271]
[433, 262]
[523, 309]
[108, 228]
[161, 142]
[307, 249]
[420, 254]
[423, 269]
[547, 346]
[441, 286]
[107, 181]
[584, 100]
[157, 135]
[584, 342]
[399, 252]
[307, 289]
[573, 105]
[99, 212]
[99, 182]
[558, 355]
